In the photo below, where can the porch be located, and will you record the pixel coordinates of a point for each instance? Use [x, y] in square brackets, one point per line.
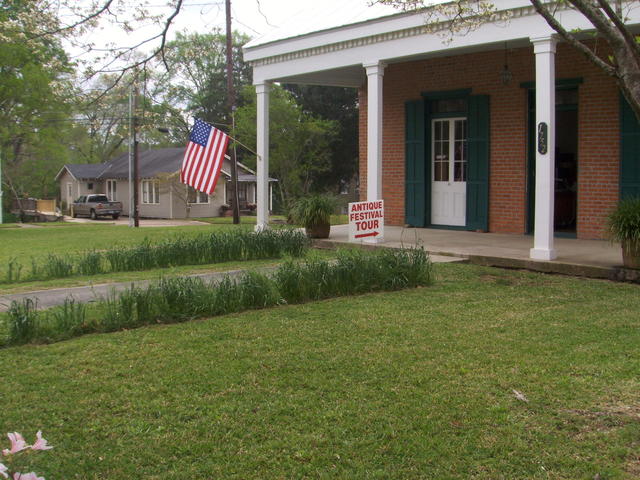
[588, 258]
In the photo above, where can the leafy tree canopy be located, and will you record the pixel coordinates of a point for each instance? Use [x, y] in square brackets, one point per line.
[299, 143]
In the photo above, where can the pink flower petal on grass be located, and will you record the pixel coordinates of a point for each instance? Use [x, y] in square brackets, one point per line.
[27, 476]
[17, 443]
[41, 443]
[3, 471]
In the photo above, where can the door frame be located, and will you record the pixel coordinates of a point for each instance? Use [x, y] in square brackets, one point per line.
[451, 159]
[561, 84]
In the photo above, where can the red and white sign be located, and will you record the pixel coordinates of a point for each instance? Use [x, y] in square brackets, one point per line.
[366, 221]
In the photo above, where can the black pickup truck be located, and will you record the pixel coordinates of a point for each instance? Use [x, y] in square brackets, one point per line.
[95, 206]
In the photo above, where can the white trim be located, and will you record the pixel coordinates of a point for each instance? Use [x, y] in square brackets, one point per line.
[543, 241]
[336, 54]
[112, 190]
[170, 201]
[375, 77]
[155, 191]
[262, 147]
[64, 167]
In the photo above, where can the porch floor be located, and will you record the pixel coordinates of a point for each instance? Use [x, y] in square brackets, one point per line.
[590, 258]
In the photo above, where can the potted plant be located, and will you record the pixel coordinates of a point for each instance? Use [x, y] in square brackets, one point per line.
[225, 210]
[624, 227]
[314, 214]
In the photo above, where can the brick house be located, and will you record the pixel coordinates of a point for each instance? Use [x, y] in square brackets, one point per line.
[448, 130]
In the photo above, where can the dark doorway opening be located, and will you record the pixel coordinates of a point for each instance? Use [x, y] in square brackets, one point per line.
[566, 163]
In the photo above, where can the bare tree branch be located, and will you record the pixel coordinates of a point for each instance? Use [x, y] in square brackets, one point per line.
[631, 42]
[571, 39]
[82, 21]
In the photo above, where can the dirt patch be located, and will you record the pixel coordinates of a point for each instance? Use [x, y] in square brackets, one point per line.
[632, 467]
[507, 280]
[603, 420]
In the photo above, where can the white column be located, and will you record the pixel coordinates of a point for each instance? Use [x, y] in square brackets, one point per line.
[262, 185]
[545, 52]
[375, 72]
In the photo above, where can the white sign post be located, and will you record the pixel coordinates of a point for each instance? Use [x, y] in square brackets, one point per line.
[366, 221]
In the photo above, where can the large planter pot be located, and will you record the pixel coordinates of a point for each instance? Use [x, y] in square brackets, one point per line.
[318, 231]
[631, 254]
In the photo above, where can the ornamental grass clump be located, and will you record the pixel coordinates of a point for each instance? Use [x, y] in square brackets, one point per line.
[171, 300]
[314, 214]
[56, 267]
[177, 251]
[21, 318]
[624, 227]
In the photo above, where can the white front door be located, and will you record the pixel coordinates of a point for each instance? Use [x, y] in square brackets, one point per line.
[449, 171]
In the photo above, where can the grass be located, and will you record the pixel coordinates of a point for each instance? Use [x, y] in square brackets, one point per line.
[209, 245]
[251, 219]
[25, 243]
[409, 385]
[177, 299]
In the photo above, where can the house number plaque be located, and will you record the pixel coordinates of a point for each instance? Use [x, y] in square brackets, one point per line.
[542, 138]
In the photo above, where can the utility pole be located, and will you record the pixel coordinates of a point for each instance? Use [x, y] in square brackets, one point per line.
[231, 102]
[133, 158]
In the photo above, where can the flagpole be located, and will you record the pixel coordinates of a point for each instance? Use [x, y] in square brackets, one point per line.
[231, 102]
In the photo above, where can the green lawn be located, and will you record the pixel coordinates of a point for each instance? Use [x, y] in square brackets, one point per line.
[23, 244]
[407, 385]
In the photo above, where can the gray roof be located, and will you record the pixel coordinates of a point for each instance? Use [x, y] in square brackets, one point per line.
[150, 163]
[86, 170]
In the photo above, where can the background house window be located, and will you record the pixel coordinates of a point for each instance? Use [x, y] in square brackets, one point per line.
[242, 192]
[150, 191]
[196, 196]
[89, 186]
[111, 190]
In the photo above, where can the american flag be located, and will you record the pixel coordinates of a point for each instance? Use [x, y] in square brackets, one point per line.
[204, 156]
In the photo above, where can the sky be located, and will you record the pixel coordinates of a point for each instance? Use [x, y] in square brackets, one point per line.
[256, 18]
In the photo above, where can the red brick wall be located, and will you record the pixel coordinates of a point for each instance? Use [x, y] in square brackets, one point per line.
[598, 149]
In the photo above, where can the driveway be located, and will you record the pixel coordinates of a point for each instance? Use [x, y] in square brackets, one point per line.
[144, 222]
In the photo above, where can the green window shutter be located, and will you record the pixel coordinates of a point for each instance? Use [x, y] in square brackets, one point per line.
[629, 151]
[415, 175]
[478, 163]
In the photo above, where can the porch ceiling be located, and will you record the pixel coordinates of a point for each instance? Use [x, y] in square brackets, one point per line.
[355, 76]
[335, 56]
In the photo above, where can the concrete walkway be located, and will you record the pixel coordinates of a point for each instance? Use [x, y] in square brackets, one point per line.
[590, 258]
[91, 293]
[144, 222]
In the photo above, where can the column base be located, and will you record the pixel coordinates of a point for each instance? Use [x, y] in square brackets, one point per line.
[542, 254]
[260, 227]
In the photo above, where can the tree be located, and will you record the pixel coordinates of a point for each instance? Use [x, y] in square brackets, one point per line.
[102, 126]
[608, 18]
[299, 144]
[196, 73]
[341, 106]
[34, 101]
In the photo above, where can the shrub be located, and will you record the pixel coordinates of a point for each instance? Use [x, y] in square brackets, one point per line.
[22, 318]
[182, 298]
[313, 210]
[624, 221]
